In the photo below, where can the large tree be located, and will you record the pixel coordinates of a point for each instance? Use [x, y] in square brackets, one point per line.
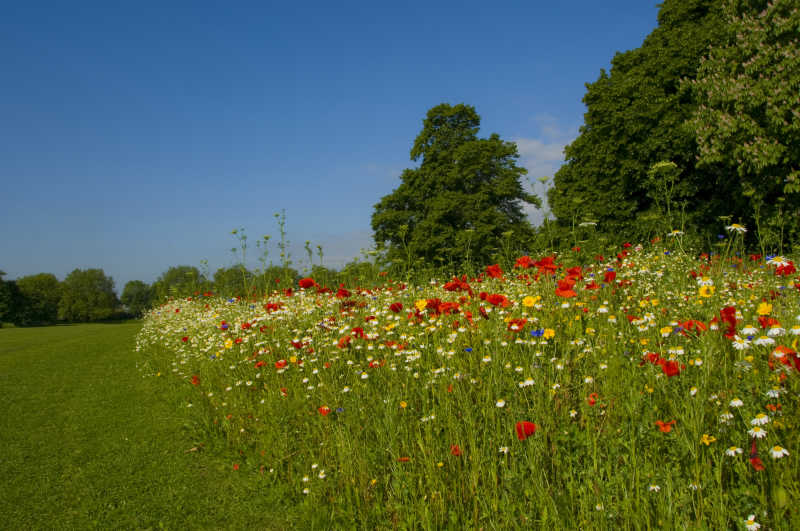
[137, 297]
[748, 120]
[461, 199]
[87, 295]
[37, 300]
[634, 120]
[179, 281]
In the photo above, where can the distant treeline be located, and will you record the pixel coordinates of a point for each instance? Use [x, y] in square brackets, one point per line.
[87, 295]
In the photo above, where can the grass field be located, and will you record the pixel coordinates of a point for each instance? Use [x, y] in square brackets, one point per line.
[87, 442]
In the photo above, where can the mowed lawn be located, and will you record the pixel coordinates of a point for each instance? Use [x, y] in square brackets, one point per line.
[87, 442]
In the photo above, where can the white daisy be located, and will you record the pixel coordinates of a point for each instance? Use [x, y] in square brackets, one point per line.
[760, 420]
[764, 341]
[778, 451]
[757, 432]
[751, 523]
[733, 451]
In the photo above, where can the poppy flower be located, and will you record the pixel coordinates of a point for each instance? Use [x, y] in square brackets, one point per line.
[455, 450]
[515, 325]
[564, 288]
[403, 459]
[195, 380]
[494, 271]
[185, 339]
[306, 283]
[342, 293]
[665, 427]
[670, 368]
[755, 461]
[525, 429]
[523, 262]
[495, 299]
[396, 307]
[324, 410]
[592, 400]
[280, 364]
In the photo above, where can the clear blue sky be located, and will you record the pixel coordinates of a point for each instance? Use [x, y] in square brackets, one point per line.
[136, 135]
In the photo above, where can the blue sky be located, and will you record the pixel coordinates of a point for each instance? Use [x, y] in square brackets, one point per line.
[136, 135]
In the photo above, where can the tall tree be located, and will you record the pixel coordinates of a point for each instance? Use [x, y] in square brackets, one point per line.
[179, 281]
[38, 299]
[748, 120]
[87, 295]
[634, 120]
[465, 194]
[137, 296]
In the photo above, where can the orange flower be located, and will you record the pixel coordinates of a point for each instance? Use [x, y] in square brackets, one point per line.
[665, 427]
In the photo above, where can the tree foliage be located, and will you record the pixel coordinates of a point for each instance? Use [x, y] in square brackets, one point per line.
[137, 296]
[87, 295]
[465, 194]
[179, 281]
[7, 291]
[234, 281]
[635, 118]
[37, 300]
[748, 119]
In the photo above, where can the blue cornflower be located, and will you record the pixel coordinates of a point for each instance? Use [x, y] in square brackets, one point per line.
[537, 333]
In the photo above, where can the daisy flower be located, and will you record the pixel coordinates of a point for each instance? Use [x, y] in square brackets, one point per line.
[757, 432]
[736, 402]
[778, 451]
[733, 451]
[751, 523]
[760, 420]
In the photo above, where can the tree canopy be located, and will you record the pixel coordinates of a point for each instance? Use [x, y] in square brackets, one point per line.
[137, 296]
[179, 281]
[87, 295]
[634, 119]
[747, 122]
[461, 199]
[37, 300]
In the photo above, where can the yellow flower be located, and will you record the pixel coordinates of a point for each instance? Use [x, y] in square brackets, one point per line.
[420, 304]
[548, 333]
[229, 343]
[292, 359]
[403, 404]
[764, 308]
[707, 439]
[666, 331]
[644, 341]
[706, 291]
[529, 301]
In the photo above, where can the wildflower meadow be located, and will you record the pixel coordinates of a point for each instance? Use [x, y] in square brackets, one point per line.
[647, 388]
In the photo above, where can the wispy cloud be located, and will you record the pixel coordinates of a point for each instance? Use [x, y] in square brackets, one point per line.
[542, 155]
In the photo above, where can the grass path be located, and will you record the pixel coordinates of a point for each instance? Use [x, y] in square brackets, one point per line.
[86, 442]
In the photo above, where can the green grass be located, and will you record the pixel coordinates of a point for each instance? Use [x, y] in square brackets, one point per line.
[87, 442]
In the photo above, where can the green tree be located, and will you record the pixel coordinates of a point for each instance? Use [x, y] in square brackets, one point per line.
[38, 300]
[137, 296]
[87, 295]
[635, 119]
[179, 281]
[6, 301]
[748, 121]
[233, 281]
[465, 194]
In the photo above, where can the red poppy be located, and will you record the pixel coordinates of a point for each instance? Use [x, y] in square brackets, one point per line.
[495, 299]
[344, 342]
[306, 283]
[359, 333]
[609, 276]
[260, 363]
[665, 427]
[455, 450]
[523, 262]
[324, 410]
[670, 368]
[592, 400]
[494, 271]
[396, 307]
[755, 461]
[564, 288]
[483, 312]
[195, 380]
[525, 429]
[403, 459]
[236, 466]
[342, 293]
[185, 339]
[786, 270]
[280, 364]
[515, 325]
